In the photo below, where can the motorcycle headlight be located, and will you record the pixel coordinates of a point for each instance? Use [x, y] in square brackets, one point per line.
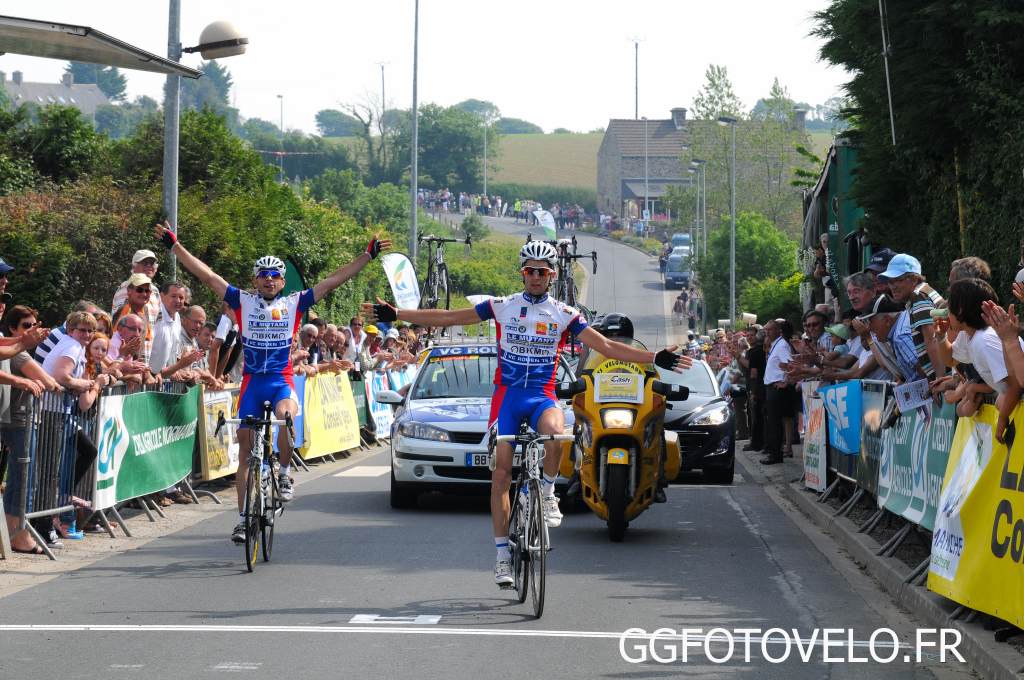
[715, 416]
[618, 418]
[423, 431]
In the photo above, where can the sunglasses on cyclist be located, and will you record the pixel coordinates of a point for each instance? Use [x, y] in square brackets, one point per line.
[539, 271]
[269, 273]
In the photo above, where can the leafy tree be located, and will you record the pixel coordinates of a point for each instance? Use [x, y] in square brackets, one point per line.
[761, 252]
[64, 145]
[561, 131]
[334, 123]
[452, 147]
[806, 178]
[597, 130]
[484, 110]
[475, 226]
[109, 78]
[772, 298]
[212, 90]
[716, 98]
[259, 125]
[118, 120]
[517, 126]
[310, 155]
[382, 156]
[341, 188]
[383, 204]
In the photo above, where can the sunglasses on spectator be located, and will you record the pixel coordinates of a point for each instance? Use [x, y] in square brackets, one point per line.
[3, 276]
[539, 271]
[87, 331]
[147, 291]
[134, 329]
[25, 325]
[269, 273]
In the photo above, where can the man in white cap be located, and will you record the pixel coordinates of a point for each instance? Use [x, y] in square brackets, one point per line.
[143, 262]
[908, 287]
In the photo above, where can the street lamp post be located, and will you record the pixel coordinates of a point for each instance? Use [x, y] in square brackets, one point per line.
[219, 39]
[383, 110]
[647, 194]
[280, 137]
[724, 120]
[702, 188]
[636, 73]
[414, 169]
[485, 157]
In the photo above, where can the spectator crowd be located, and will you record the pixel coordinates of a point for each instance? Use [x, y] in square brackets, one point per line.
[964, 349]
[151, 335]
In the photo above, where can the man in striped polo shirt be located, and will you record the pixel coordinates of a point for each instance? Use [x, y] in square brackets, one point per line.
[909, 287]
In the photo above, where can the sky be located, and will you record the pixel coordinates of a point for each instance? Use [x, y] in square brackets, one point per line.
[556, 63]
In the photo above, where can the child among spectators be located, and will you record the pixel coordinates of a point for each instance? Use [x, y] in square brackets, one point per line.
[840, 335]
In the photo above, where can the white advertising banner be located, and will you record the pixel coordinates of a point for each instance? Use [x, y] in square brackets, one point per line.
[402, 275]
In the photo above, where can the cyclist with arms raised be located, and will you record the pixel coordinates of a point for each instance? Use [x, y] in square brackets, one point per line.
[532, 329]
[266, 323]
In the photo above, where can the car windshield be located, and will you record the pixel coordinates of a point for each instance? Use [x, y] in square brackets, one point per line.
[696, 378]
[675, 265]
[456, 376]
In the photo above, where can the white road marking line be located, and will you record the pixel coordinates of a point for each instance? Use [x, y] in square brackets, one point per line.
[422, 619]
[440, 630]
[127, 665]
[364, 471]
[236, 666]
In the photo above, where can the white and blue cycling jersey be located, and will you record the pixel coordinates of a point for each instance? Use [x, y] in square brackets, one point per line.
[266, 328]
[531, 334]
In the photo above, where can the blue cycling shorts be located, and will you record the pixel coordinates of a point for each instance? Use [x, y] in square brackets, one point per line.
[260, 387]
[510, 405]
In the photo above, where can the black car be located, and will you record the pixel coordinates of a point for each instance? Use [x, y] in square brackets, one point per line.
[705, 424]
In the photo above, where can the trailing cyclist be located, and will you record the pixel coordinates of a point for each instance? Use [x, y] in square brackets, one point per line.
[532, 330]
[266, 323]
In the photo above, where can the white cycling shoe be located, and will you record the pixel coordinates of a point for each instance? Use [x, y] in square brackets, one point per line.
[552, 515]
[503, 574]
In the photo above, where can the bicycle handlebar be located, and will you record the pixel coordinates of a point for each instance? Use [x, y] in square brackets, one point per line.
[536, 438]
[438, 239]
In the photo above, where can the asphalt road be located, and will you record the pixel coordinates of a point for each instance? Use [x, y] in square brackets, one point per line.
[712, 557]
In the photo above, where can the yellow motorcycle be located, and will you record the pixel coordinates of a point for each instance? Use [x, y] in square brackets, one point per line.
[620, 441]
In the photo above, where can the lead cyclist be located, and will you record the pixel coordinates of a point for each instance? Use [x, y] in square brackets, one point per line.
[266, 323]
[532, 330]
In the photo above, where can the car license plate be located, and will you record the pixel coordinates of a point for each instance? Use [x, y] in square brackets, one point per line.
[480, 460]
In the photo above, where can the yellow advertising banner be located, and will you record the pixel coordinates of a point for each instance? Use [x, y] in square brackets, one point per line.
[218, 453]
[978, 541]
[331, 423]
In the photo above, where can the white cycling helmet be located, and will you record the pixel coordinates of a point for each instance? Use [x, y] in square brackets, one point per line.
[538, 250]
[268, 262]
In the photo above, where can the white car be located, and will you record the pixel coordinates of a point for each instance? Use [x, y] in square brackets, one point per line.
[439, 435]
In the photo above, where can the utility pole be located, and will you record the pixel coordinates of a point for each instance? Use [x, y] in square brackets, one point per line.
[280, 135]
[171, 108]
[415, 134]
[636, 68]
[485, 157]
[383, 110]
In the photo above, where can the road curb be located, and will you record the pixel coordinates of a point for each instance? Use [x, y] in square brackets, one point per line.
[996, 661]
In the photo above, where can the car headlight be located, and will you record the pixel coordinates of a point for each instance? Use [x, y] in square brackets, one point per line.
[423, 431]
[715, 416]
[618, 418]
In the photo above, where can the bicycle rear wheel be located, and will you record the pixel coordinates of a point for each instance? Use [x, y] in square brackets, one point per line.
[267, 519]
[253, 506]
[538, 548]
[517, 545]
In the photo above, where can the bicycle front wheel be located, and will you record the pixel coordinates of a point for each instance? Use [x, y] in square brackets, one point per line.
[253, 509]
[444, 285]
[538, 548]
[517, 535]
[269, 516]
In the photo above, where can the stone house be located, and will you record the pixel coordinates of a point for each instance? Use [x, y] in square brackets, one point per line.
[620, 162]
[66, 92]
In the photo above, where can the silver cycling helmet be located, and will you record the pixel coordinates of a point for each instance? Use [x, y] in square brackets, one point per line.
[268, 262]
[538, 250]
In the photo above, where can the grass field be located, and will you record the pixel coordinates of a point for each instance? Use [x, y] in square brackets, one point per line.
[554, 160]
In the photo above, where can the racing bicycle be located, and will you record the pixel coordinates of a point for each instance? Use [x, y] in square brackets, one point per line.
[262, 502]
[565, 289]
[528, 539]
[436, 292]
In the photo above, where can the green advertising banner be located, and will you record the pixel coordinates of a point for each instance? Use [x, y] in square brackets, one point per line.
[145, 444]
[914, 456]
